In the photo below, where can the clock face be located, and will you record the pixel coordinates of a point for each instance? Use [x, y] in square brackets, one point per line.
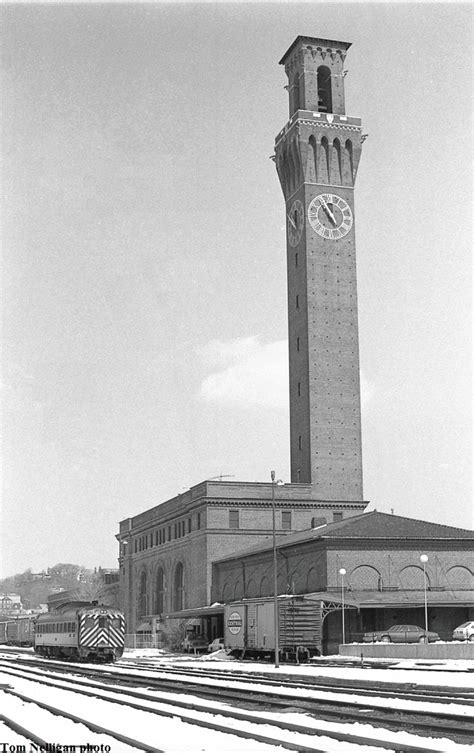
[295, 222]
[330, 216]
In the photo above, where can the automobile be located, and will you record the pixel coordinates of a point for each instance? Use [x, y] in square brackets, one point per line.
[401, 634]
[464, 632]
[216, 645]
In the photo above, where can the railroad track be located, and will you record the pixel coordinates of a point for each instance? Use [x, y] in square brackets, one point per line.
[456, 728]
[411, 691]
[173, 677]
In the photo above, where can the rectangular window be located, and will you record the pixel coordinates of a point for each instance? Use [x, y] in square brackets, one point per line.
[169, 533]
[233, 518]
[297, 301]
[199, 521]
[136, 546]
[286, 521]
[189, 525]
[297, 343]
[183, 528]
[296, 260]
[300, 443]
[299, 389]
[336, 516]
[176, 530]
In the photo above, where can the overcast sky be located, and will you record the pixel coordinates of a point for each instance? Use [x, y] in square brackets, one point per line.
[144, 285]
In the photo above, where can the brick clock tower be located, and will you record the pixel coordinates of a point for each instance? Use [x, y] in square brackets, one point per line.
[316, 156]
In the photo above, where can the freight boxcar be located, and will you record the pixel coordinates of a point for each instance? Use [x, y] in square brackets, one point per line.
[18, 631]
[249, 628]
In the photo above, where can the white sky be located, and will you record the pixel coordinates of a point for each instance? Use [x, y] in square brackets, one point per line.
[144, 285]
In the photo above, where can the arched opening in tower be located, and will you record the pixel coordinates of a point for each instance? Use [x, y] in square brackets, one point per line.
[324, 89]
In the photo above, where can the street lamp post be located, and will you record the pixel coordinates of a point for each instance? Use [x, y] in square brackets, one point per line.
[424, 560]
[342, 573]
[275, 574]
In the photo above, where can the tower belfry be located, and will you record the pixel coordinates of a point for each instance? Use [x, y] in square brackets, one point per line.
[316, 155]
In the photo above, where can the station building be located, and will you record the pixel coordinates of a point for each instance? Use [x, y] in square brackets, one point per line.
[384, 579]
[167, 552]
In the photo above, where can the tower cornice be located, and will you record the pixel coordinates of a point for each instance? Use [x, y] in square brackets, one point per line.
[321, 120]
[316, 43]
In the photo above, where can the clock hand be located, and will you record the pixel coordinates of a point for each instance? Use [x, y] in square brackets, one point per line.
[291, 221]
[328, 211]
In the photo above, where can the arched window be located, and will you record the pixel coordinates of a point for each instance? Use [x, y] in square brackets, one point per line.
[312, 159]
[460, 577]
[251, 589]
[178, 591]
[336, 172]
[323, 167]
[226, 593]
[142, 605]
[365, 578]
[348, 164]
[411, 578]
[324, 89]
[159, 592]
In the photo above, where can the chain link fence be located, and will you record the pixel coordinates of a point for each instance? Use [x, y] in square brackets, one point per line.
[143, 640]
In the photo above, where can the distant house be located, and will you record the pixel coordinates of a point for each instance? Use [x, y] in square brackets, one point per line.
[10, 603]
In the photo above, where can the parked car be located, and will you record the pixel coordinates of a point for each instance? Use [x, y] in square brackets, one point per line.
[464, 632]
[401, 634]
[216, 645]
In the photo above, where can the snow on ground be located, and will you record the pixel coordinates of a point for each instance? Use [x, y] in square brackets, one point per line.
[175, 736]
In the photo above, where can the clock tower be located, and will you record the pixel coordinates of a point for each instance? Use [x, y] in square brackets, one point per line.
[316, 156]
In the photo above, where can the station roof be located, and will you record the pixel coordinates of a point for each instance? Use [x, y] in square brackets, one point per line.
[369, 525]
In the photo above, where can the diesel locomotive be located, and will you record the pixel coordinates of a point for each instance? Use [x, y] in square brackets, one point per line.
[81, 631]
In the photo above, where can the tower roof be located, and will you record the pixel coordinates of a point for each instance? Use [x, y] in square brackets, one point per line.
[315, 41]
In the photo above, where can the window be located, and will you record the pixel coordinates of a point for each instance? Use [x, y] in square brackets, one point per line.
[159, 591]
[189, 525]
[297, 301]
[199, 521]
[169, 533]
[102, 622]
[299, 389]
[336, 516]
[233, 518]
[176, 530]
[297, 343]
[300, 442]
[286, 521]
[178, 591]
[324, 89]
